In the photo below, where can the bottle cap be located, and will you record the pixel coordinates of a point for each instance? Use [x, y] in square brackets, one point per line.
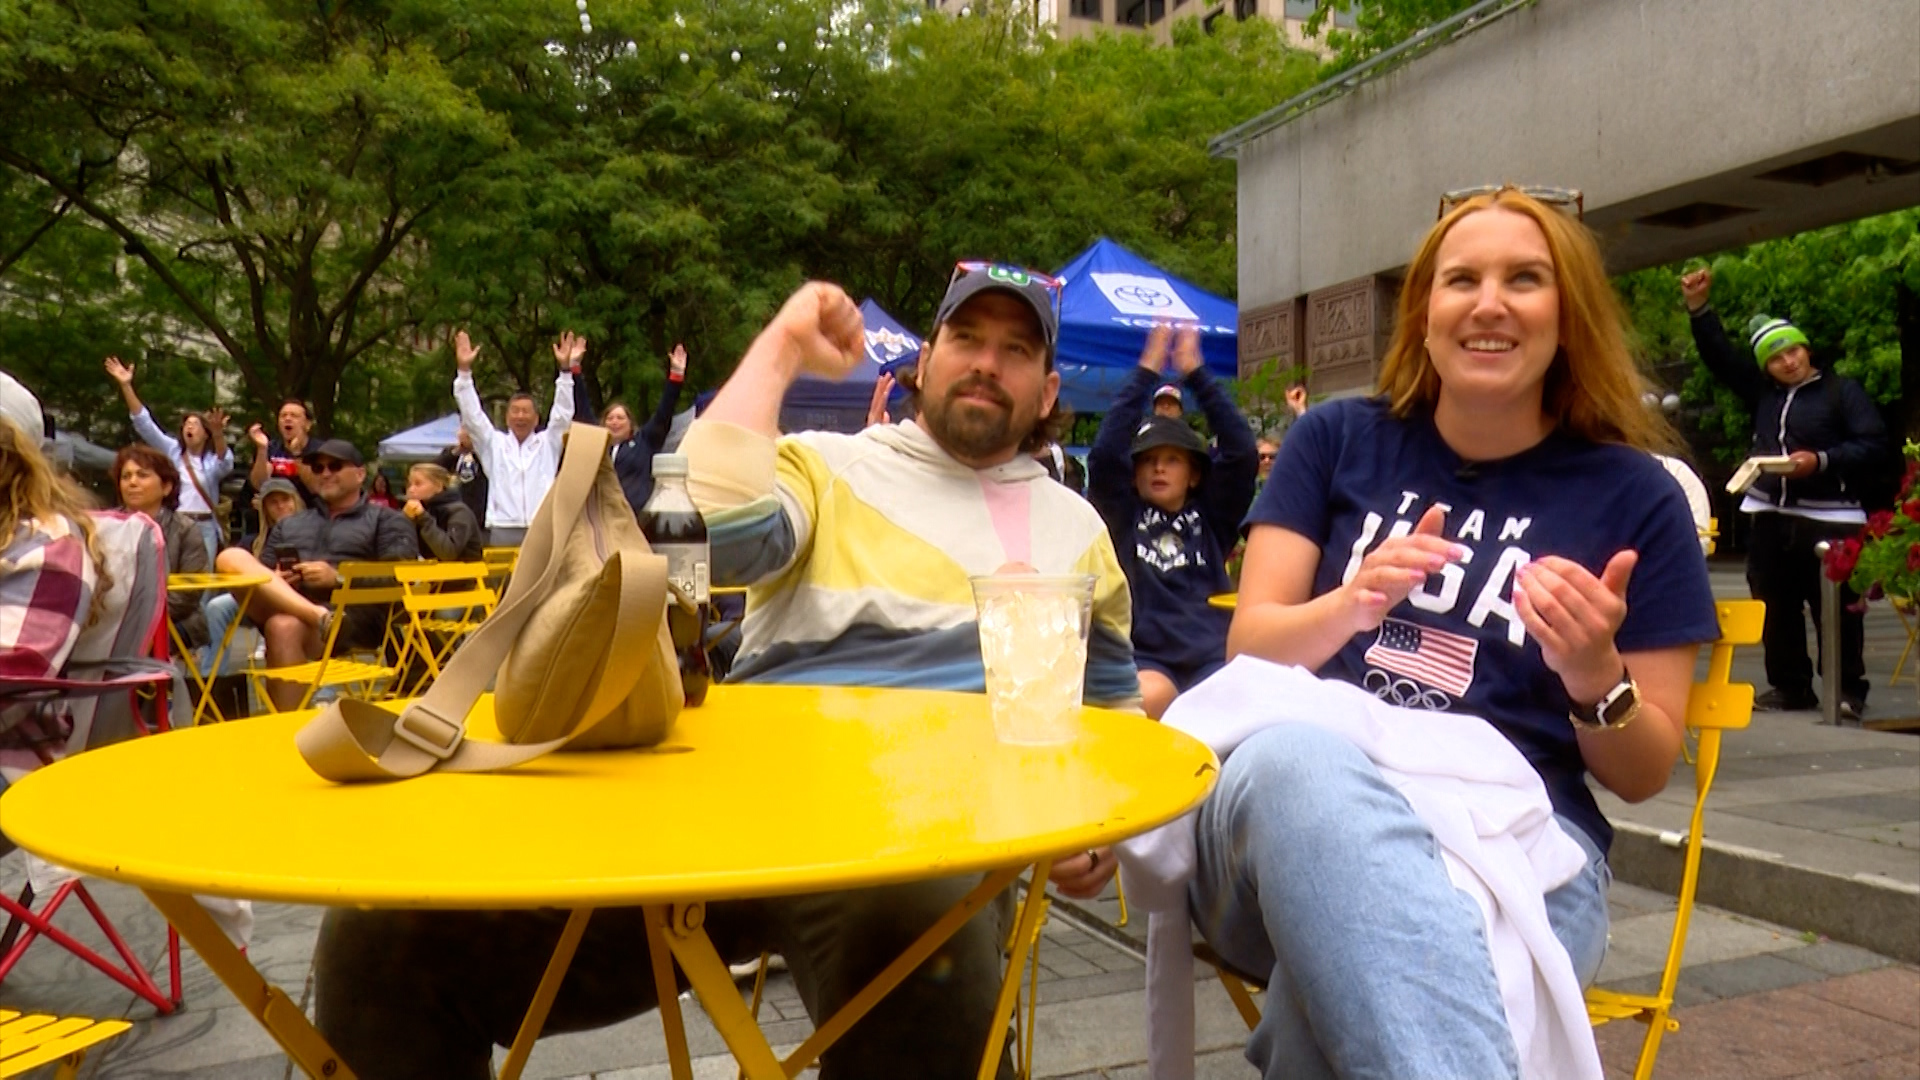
[669, 465]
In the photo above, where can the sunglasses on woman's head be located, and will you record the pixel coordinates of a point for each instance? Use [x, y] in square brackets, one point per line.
[1565, 200]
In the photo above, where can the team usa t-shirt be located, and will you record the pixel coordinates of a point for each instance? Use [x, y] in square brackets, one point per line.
[1350, 475]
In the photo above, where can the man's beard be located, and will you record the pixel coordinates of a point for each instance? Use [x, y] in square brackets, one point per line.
[975, 433]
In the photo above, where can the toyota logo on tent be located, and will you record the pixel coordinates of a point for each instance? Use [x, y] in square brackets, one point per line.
[1138, 294]
[1144, 296]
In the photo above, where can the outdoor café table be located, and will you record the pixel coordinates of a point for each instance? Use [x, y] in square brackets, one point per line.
[825, 789]
[241, 586]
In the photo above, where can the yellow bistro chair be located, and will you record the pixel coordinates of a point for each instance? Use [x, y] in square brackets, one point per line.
[1716, 705]
[1904, 607]
[31, 1040]
[500, 564]
[369, 585]
[442, 604]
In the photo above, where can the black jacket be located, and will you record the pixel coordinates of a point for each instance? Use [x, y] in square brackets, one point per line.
[1828, 414]
[363, 533]
[633, 459]
[471, 477]
[448, 530]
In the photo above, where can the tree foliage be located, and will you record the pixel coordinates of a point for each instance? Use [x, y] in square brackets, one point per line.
[300, 198]
[1839, 284]
[263, 167]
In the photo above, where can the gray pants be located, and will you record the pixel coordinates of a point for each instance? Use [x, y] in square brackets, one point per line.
[428, 994]
[506, 535]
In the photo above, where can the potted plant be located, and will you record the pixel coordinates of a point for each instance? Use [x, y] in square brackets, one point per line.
[1884, 560]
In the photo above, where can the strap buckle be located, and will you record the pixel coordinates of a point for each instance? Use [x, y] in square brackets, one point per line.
[431, 733]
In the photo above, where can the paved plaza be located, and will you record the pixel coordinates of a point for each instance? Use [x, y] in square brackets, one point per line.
[1814, 842]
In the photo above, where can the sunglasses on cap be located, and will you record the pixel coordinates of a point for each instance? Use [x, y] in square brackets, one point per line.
[1017, 276]
[1565, 200]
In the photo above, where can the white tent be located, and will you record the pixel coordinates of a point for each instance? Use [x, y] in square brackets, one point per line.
[423, 442]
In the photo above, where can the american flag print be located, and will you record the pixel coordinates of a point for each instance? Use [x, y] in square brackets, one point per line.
[1435, 657]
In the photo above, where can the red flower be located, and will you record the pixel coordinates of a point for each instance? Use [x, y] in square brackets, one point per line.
[1912, 510]
[1913, 557]
[1841, 559]
[1879, 523]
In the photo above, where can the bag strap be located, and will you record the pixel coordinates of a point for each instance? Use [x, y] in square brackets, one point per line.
[213, 504]
[354, 740]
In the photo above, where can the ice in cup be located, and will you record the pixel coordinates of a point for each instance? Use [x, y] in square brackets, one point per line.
[1033, 641]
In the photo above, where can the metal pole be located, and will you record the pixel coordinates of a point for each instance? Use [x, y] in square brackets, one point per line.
[1829, 640]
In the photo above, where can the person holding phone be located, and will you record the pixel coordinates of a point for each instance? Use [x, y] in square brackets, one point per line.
[1831, 432]
[307, 549]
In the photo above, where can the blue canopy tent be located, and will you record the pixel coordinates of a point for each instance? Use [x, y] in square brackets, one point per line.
[814, 403]
[1111, 300]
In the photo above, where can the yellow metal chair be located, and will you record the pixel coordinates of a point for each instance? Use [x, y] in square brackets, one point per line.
[1904, 607]
[441, 603]
[30, 1040]
[500, 563]
[367, 585]
[1716, 705]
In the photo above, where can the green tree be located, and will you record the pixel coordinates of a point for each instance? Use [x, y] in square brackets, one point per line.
[1842, 285]
[1378, 25]
[266, 166]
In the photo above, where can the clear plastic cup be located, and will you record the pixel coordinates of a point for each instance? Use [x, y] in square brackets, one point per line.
[1033, 641]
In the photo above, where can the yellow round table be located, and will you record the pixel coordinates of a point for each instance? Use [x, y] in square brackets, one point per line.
[763, 791]
[241, 586]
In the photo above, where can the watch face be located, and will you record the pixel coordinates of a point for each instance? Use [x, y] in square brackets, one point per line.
[1620, 706]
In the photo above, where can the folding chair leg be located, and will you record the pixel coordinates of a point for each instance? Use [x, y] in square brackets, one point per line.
[40, 925]
[1658, 1024]
[146, 989]
[1242, 999]
[13, 921]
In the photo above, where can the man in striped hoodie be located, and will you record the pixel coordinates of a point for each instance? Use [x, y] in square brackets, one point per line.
[857, 551]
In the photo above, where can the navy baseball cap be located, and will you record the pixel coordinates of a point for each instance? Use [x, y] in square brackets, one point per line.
[1039, 291]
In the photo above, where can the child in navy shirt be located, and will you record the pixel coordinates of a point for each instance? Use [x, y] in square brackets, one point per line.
[1173, 515]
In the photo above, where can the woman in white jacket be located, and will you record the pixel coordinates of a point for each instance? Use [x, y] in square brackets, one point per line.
[200, 455]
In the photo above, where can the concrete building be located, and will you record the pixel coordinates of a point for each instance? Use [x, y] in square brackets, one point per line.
[1691, 126]
[1082, 18]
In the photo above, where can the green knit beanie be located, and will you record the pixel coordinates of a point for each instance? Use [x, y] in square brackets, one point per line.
[1770, 336]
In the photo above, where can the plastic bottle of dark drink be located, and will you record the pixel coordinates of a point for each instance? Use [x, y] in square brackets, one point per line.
[674, 528]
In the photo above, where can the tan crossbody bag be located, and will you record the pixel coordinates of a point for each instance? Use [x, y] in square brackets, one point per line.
[579, 650]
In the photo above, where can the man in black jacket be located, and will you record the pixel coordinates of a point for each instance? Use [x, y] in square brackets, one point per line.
[1830, 429]
[303, 554]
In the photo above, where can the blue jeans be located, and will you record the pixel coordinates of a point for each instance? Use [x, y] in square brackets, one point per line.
[210, 535]
[1314, 870]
